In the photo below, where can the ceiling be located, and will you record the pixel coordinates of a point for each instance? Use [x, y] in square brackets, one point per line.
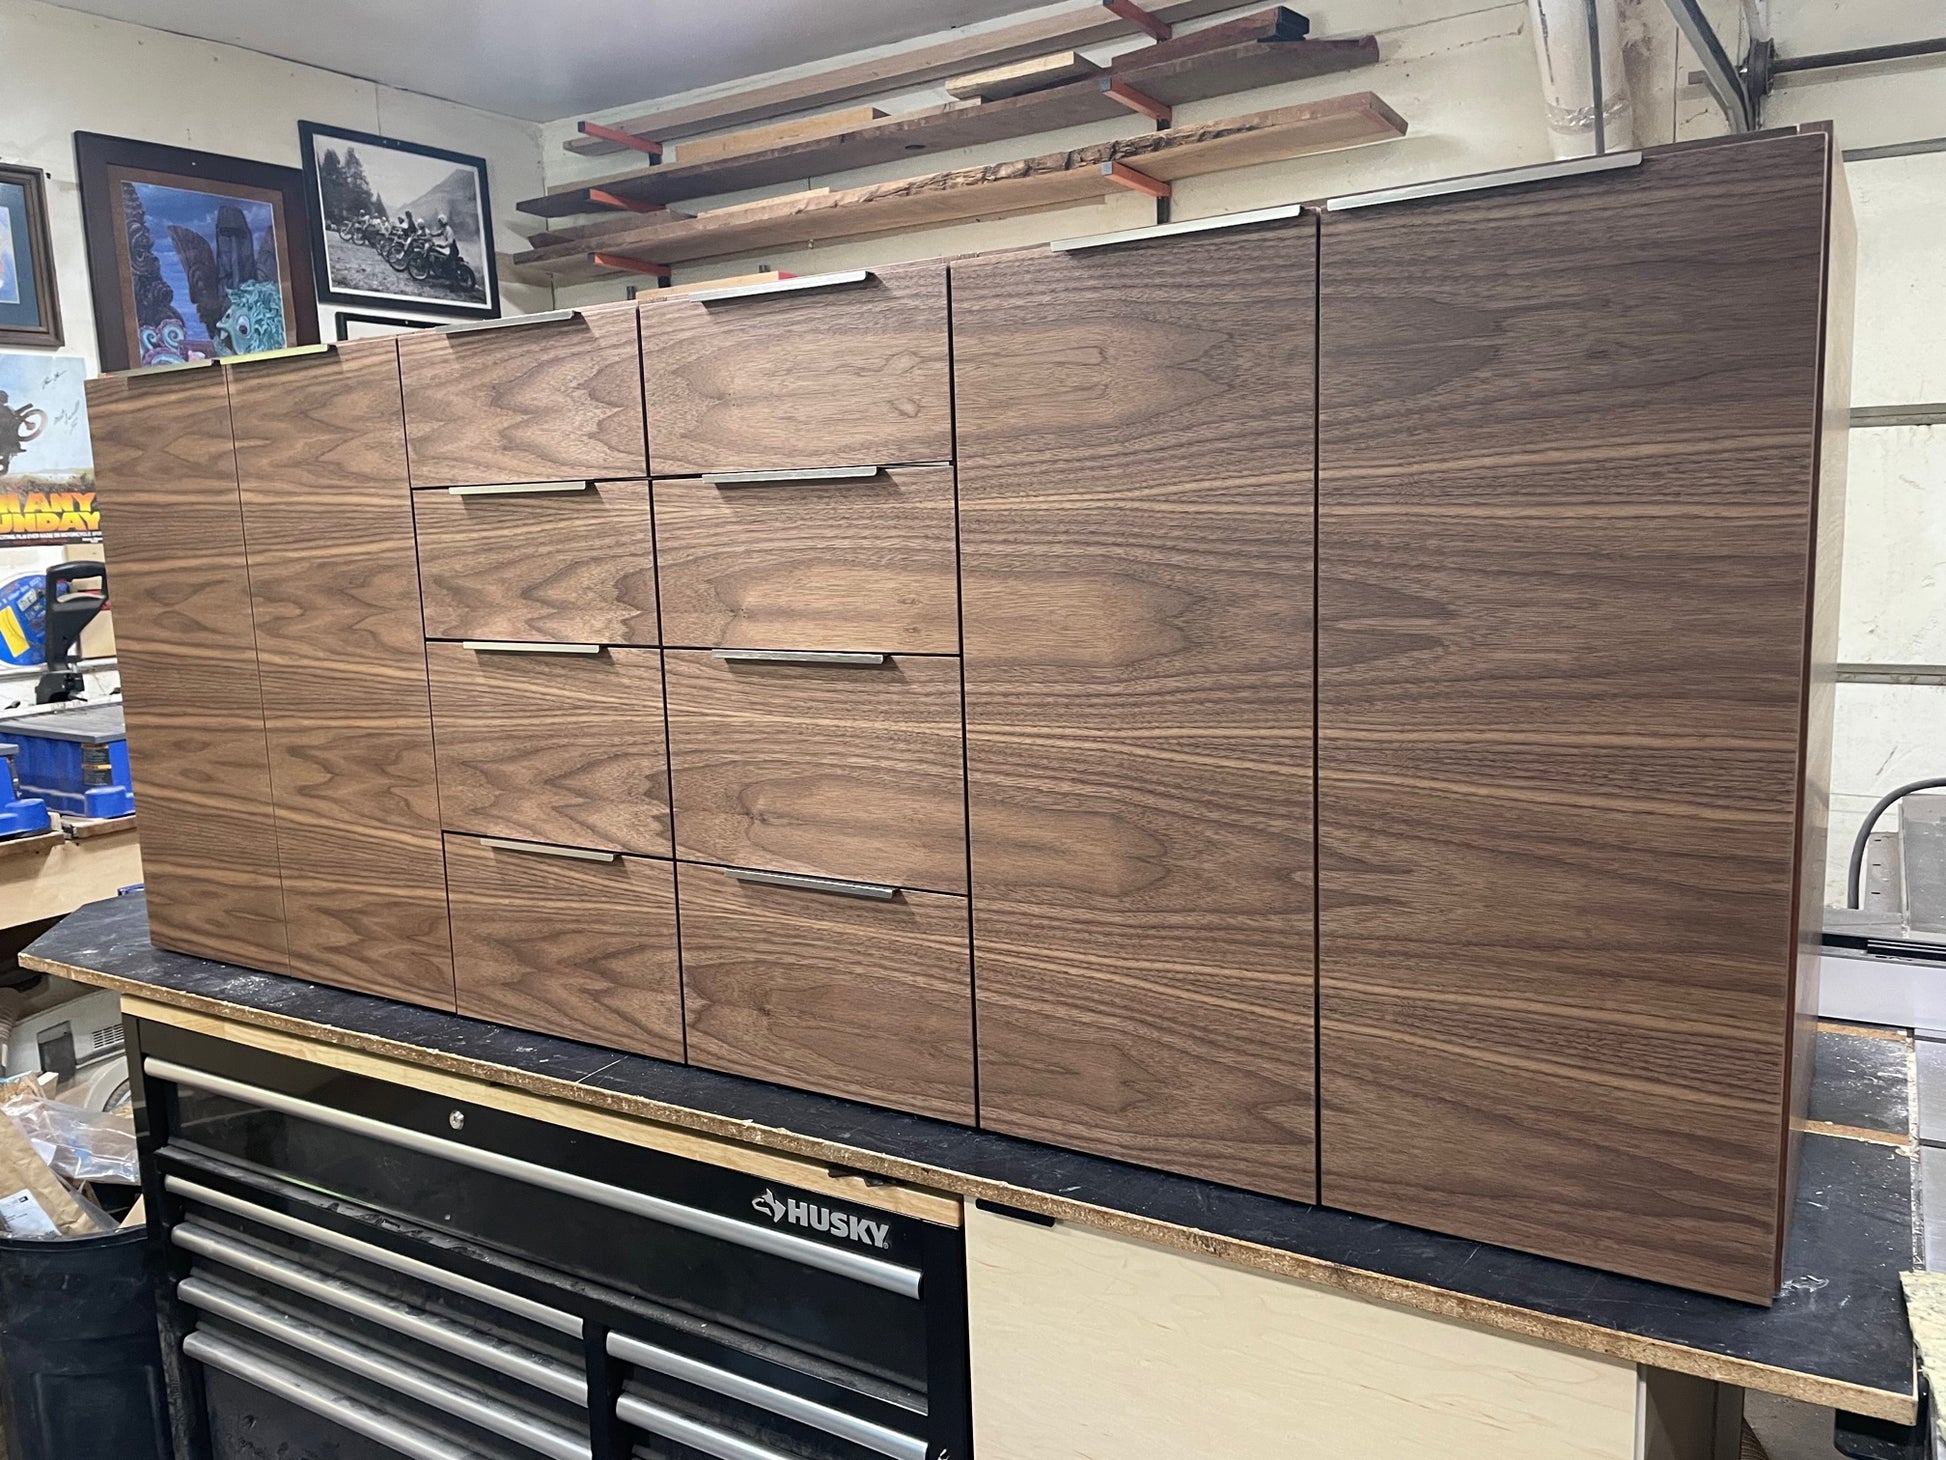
[541, 61]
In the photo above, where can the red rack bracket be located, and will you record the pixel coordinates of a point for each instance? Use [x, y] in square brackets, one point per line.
[601, 197]
[1136, 16]
[1140, 182]
[1135, 101]
[622, 139]
[631, 266]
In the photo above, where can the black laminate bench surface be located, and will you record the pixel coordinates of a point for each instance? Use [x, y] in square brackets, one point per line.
[1838, 1323]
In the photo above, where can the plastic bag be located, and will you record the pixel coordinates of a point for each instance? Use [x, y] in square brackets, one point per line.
[81, 1145]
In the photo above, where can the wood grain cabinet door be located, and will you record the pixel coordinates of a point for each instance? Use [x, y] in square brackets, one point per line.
[565, 748]
[549, 566]
[320, 450]
[852, 374]
[186, 640]
[583, 946]
[863, 564]
[553, 401]
[1136, 496]
[851, 771]
[866, 998]
[1567, 450]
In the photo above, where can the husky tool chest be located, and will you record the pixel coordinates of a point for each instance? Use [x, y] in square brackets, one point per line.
[359, 1268]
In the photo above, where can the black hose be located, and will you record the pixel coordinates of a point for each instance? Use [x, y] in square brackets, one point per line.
[1865, 831]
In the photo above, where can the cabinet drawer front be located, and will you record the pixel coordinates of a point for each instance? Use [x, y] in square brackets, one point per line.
[574, 566]
[866, 999]
[849, 771]
[843, 376]
[569, 946]
[867, 563]
[552, 748]
[560, 401]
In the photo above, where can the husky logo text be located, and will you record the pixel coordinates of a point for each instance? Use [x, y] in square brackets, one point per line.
[823, 1219]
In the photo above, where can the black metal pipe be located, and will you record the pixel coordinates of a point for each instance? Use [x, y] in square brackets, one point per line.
[1863, 56]
[1857, 864]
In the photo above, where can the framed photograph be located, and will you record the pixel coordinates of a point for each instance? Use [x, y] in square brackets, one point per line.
[30, 309]
[395, 225]
[192, 255]
[371, 326]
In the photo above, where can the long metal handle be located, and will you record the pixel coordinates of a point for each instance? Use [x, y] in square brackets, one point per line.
[1177, 230]
[781, 286]
[877, 891]
[545, 849]
[508, 322]
[342, 1409]
[520, 646]
[515, 1362]
[289, 352]
[799, 474]
[519, 489]
[1479, 182]
[799, 656]
[777, 1401]
[383, 1257]
[685, 1431]
[873, 1271]
[471, 1405]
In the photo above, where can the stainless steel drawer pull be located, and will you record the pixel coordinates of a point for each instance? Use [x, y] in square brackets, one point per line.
[544, 849]
[873, 1271]
[781, 286]
[777, 1401]
[685, 1431]
[799, 656]
[472, 1405]
[377, 1256]
[877, 891]
[306, 1392]
[1176, 230]
[510, 321]
[806, 474]
[1481, 181]
[520, 489]
[505, 1358]
[520, 646]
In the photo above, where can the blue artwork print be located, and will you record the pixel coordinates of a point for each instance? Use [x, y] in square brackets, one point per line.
[204, 273]
[9, 269]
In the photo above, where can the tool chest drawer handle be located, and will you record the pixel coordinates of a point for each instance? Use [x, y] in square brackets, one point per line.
[686, 1431]
[377, 1367]
[519, 646]
[782, 286]
[508, 322]
[519, 489]
[792, 474]
[873, 1271]
[844, 887]
[357, 1415]
[547, 849]
[777, 1401]
[377, 1256]
[798, 656]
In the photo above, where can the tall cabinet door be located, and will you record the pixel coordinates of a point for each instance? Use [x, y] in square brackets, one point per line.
[1567, 456]
[187, 652]
[321, 460]
[1135, 430]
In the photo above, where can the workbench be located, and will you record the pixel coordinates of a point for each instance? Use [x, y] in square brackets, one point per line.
[1836, 1335]
[78, 860]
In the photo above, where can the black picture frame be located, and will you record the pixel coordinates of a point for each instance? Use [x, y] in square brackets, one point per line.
[345, 319]
[32, 316]
[355, 272]
[133, 331]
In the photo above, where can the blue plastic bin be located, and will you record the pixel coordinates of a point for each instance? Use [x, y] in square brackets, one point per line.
[76, 760]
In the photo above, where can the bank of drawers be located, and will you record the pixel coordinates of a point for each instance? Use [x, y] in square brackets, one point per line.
[697, 705]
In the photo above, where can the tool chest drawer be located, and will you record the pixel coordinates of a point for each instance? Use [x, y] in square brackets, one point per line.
[850, 989]
[567, 941]
[543, 561]
[534, 398]
[851, 558]
[565, 746]
[352, 1257]
[846, 369]
[846, 766]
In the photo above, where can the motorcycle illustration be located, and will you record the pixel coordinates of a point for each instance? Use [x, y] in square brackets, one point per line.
[17, 428]
[422, 259]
